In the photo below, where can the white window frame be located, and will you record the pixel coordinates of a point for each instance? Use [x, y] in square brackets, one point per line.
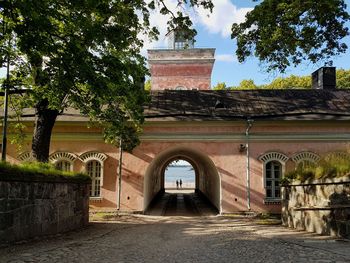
[268, 157]
[180, 44]
[94, 156]
[273, 180]
[93, 179]
[56, 157]
[66, 163]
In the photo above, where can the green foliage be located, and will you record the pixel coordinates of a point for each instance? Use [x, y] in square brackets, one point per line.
[247, 85]
[85, 55]
[17, 137]
[148, 85]
[304, 82]
[220, 86]
[290, 82]
[283, 33]
[17, 128]
[243, 85]
[179, 20]
[343, 79]
[37, 168]
[333, 165]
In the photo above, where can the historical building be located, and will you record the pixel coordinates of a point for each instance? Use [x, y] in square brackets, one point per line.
[179, 68]
[240, 143]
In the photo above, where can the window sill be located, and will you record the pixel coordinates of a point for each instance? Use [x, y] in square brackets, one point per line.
[272, 201]
[95, 199]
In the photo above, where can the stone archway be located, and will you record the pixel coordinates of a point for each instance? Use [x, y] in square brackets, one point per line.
[207, 177]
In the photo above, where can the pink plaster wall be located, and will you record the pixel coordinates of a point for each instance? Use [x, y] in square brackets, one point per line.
[225, 155]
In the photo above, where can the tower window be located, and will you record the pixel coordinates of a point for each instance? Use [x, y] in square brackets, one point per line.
[178, 40]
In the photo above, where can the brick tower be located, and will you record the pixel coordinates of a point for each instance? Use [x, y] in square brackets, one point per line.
[181, 66]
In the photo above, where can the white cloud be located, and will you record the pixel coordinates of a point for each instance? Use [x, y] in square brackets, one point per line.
[223, 16]
[225, 58]
[219, 21]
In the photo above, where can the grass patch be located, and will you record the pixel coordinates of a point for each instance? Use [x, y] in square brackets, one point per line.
[37, 169]
[331, 166]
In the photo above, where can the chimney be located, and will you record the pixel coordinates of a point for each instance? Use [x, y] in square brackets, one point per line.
[324, 78]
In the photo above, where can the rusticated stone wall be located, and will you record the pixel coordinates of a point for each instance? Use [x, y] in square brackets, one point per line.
[32, 206]
[321, 206]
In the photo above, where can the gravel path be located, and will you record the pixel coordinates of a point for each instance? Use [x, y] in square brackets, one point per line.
[180, 239]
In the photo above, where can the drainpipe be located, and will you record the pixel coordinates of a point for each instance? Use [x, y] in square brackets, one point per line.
[120, 172]
[6, 89]
[249, 126]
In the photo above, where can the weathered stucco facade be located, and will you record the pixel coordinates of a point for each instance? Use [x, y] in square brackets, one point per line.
[184, 69]
[240, 143]
[212, 147]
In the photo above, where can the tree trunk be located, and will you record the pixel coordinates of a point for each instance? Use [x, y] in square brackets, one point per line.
[44, 122]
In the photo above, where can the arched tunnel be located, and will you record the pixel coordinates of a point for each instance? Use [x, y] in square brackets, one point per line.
[207, 179]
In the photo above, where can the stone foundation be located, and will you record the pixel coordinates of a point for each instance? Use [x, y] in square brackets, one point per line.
[321, 206]
[32, 206]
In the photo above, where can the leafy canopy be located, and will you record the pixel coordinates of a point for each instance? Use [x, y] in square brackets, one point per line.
[292, 82]
[281, 33]
[148, 85]
[85, 54]
[220, 86]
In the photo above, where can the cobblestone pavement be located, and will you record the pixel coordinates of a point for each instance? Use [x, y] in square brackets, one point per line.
[140, 238]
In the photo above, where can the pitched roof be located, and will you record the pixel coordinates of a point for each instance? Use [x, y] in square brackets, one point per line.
[292, 104]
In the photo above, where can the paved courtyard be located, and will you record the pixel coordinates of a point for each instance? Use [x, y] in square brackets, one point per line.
[138, 238]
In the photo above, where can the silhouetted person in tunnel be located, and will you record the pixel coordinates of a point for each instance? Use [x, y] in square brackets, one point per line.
[177, 184]
[180, 183]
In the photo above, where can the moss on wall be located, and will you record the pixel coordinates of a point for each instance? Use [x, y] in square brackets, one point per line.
[37, 172]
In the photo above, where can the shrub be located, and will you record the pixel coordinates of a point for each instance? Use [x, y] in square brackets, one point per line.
[333, 165]
[38, 168]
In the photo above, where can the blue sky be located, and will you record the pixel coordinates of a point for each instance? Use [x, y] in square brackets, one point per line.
[214, 32]
[229, 70]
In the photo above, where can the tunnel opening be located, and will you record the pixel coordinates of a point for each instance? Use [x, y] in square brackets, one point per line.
[179, 174]
[200, 192]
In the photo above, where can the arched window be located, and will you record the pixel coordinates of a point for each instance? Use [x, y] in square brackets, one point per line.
[64, 166]
[273, 175]
[63, 160]
[273, 169]
[305, 159]
[25, 157]
[94, 168]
